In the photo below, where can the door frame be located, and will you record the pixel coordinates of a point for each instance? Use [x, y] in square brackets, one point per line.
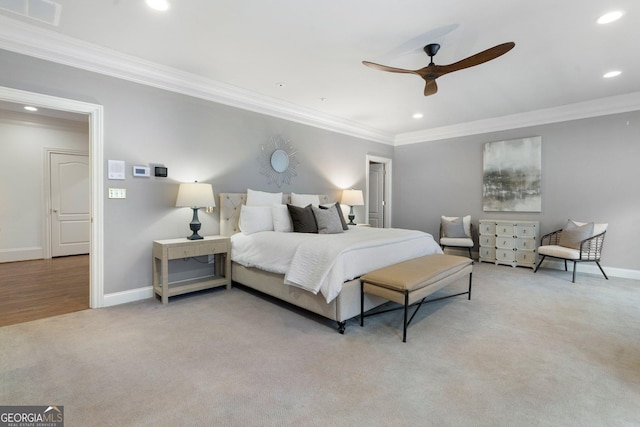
[369, 158]
[95, 115]
[46, 238]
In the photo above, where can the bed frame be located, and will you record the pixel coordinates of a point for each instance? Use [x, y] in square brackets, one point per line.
[345, 306]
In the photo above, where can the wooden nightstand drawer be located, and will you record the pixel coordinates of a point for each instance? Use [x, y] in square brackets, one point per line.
[189, 250]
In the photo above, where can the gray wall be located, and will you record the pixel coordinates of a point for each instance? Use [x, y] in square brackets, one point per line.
[589, 173]
[196, 140]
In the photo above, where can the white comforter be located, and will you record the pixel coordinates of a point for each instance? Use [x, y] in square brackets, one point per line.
[322, 262]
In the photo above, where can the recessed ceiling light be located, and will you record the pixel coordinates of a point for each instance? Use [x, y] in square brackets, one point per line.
[161, 5]
[417, 116]
[30, 108]
[610, 74]
[610, 17]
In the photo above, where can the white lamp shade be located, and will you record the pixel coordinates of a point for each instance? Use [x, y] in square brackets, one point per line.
[195, 195]
[352, 198]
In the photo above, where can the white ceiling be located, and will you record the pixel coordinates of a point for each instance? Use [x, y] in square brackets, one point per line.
[315, 48]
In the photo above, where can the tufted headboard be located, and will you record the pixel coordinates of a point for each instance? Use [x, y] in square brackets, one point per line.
[230, 210]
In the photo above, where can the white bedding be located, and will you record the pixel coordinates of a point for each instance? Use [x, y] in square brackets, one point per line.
[322, 262]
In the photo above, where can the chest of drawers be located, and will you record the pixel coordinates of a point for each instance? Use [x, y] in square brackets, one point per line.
[509, 242]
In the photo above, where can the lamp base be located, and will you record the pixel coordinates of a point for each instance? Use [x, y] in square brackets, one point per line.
[351, 217]
[195, 225]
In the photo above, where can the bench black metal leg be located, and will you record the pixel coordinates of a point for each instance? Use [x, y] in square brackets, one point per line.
[361, 304]
[470, 286]
[406, 309]
[538, 266]
[573, 280]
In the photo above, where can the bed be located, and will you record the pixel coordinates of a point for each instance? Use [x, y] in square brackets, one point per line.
[333, 294]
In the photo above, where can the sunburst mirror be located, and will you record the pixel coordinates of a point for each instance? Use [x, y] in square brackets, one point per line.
[278, 161]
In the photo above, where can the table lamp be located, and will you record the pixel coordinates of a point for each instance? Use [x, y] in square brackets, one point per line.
[195, 195]
[352, 198]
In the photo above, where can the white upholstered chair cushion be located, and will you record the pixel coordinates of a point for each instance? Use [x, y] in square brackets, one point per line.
[462, 242]
[559, 252]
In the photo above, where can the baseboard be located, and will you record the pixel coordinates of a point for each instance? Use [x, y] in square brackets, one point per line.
[124, 297]
[592, 268]
[21, 254]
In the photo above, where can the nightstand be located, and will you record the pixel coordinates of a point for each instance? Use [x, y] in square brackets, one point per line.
[165, 250]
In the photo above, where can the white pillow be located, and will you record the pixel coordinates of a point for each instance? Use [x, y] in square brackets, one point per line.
[281, 218]
[262, 198]
[255, 218]
[597, 228]
[466, 223]
[302, 200]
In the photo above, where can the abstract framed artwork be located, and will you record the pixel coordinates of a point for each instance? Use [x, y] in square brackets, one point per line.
[511, 175]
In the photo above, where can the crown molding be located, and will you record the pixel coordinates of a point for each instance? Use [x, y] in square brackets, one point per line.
[37, 42]
[33, 41]
[582, 110]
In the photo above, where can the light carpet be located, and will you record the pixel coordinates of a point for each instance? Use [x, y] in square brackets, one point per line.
[527, 350]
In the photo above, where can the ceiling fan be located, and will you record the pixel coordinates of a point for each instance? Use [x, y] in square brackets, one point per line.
[432, 71]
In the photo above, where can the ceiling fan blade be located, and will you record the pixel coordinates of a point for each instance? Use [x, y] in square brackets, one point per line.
[386, 68]
[430, 88]
[477, 59]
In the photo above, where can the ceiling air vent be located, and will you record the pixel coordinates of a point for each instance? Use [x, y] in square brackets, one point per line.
[40, 10]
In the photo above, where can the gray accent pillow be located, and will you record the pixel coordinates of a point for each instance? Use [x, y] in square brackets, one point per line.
[453, 228]
[573, 234]
[303, 219]
[328, 220]
[340, 214]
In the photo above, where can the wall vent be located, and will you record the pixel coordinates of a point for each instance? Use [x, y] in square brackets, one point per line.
[40, 10]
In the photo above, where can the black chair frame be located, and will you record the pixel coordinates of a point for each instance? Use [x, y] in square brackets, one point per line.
[590, 251]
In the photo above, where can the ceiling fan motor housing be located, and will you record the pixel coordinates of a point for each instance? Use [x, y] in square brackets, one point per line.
[432, 49]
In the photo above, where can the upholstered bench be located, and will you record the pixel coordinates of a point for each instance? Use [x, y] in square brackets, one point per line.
[409, 282]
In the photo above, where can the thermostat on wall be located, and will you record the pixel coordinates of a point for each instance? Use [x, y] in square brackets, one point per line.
[161, 171]
[141, 171]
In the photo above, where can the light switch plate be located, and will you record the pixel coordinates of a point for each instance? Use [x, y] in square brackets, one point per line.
[117, 193]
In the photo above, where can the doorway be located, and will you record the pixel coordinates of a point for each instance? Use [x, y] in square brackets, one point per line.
[68, 202]
[378, 191]
[95, 117]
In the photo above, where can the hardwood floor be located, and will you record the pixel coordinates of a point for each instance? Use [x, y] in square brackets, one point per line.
[31, 290]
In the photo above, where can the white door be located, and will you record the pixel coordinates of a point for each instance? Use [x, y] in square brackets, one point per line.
[376, 195]
[70, 203]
